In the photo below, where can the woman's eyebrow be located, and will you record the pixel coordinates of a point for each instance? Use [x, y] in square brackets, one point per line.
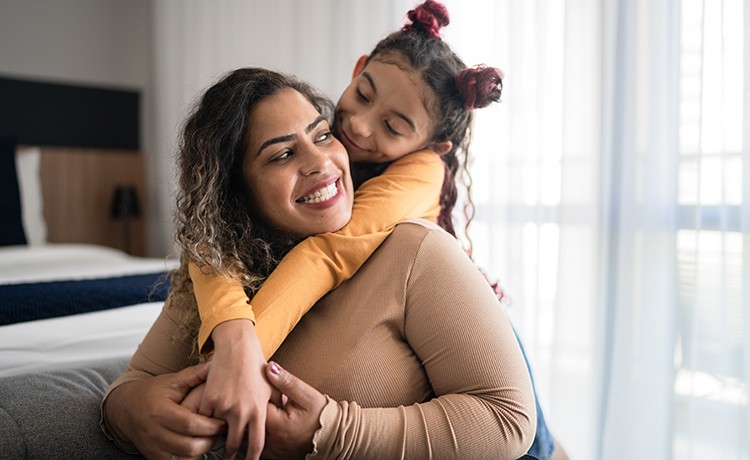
[289, 137]
[315, 123]
[401, 115]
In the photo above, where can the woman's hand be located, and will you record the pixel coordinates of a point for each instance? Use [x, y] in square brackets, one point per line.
[291, 425]
[147, 413]
[236, 389]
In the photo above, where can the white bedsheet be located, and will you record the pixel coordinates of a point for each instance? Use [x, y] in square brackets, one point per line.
[63, 342]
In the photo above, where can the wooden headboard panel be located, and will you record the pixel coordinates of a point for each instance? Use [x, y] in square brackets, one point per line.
[78, 186]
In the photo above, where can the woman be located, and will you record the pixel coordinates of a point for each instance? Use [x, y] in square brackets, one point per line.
[424, 383]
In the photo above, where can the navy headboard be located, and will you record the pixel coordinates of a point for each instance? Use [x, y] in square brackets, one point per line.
[61, 115]
[11, 224]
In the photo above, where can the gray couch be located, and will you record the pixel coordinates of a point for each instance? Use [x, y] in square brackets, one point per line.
[55, 414]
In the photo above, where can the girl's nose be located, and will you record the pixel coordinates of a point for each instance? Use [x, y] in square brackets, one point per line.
[360, 125]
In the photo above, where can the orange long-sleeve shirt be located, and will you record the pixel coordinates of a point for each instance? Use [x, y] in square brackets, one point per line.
[408, 188]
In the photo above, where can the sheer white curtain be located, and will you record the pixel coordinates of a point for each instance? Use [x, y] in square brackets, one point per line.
[613, 206]
[537, 187]
[610, 186]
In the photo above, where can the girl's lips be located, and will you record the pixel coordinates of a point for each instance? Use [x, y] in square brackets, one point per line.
[349, 144]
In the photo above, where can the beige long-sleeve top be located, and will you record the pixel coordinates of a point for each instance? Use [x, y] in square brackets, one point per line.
[415, 353]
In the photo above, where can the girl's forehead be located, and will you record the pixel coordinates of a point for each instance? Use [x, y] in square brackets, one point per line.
[391, 73]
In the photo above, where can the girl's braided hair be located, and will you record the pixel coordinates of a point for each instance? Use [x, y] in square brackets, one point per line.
[459, 90]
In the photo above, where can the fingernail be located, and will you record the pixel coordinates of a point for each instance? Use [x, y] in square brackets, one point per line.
[275, 368]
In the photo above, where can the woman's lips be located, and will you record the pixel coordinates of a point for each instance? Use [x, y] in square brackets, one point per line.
[321, 194]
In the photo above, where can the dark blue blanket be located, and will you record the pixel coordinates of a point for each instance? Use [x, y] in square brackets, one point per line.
[30, 301]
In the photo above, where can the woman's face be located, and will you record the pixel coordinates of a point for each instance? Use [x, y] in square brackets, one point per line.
[297, 173]
[385, 113]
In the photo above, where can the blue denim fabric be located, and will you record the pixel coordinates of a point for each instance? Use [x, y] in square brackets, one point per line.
[544, 443]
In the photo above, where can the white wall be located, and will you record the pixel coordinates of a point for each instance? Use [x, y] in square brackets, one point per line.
[103, 43]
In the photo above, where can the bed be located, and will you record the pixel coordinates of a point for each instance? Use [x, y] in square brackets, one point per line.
[77, 293]
[67, 296]
[72, 315]
[66, 304]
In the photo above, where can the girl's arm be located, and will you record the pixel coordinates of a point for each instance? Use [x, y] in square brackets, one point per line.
[408, 188]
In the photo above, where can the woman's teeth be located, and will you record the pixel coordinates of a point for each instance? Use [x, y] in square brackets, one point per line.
[321, 195]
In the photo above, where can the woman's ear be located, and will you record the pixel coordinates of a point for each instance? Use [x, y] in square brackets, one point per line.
[359, 66]
[441, 148]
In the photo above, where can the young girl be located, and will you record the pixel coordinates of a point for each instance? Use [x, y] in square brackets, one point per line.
[411, 94]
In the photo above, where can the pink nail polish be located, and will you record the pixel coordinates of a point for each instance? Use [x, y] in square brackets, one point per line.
[275, 369]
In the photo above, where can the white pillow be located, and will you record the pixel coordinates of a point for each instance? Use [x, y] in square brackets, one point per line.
[30, 185]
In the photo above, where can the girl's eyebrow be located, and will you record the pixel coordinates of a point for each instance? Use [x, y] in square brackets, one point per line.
[401, 115]
[289, 137]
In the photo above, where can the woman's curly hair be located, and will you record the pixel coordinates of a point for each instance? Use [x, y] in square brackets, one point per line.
[217, 228]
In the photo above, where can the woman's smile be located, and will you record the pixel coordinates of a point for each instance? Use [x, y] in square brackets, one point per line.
[321, 195]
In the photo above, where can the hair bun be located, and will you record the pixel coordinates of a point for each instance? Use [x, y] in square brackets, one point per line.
[480, 86]
[428, 17]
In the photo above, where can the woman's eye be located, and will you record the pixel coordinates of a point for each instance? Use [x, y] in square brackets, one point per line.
[324, 136]
[282, 156]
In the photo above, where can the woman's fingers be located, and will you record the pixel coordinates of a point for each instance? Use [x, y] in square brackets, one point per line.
[184, 446]
[277, 399]
[192, 401]
[299, 393]
[183, 421]
[290, 428]
[190, 377]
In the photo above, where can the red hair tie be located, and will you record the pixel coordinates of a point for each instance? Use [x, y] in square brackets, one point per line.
[429, 17]
[479, 86]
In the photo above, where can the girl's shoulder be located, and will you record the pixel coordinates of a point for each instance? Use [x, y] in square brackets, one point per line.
[420, 157]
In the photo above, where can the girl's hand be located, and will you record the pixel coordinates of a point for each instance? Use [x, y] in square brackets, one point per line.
[236, 389]
[147, 414]
[290, 427]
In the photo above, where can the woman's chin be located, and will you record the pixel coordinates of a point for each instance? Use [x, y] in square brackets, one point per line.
[337, 223]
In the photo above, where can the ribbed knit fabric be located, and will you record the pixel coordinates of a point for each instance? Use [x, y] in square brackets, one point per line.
[415, 354]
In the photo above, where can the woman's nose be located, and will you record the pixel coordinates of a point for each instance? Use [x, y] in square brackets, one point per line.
[315, 160]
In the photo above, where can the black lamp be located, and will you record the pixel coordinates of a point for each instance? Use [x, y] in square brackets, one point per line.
[125, 207]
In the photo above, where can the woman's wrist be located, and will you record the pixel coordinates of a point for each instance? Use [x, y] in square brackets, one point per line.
[328, 415]
[114, 417]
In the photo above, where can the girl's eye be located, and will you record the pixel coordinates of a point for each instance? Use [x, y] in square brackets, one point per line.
[361, 96]
[391, 129]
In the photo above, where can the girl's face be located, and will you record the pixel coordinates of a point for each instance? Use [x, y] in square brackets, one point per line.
[297, 173]
[385, 113]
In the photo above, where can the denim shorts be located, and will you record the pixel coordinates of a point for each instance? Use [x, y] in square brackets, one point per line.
[544, 443]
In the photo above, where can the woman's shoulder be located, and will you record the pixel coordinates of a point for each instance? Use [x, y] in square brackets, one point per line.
[417, 227]
[419, 232]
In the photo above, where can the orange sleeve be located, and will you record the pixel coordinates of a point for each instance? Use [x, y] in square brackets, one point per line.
[219, 299]
[408, 188]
